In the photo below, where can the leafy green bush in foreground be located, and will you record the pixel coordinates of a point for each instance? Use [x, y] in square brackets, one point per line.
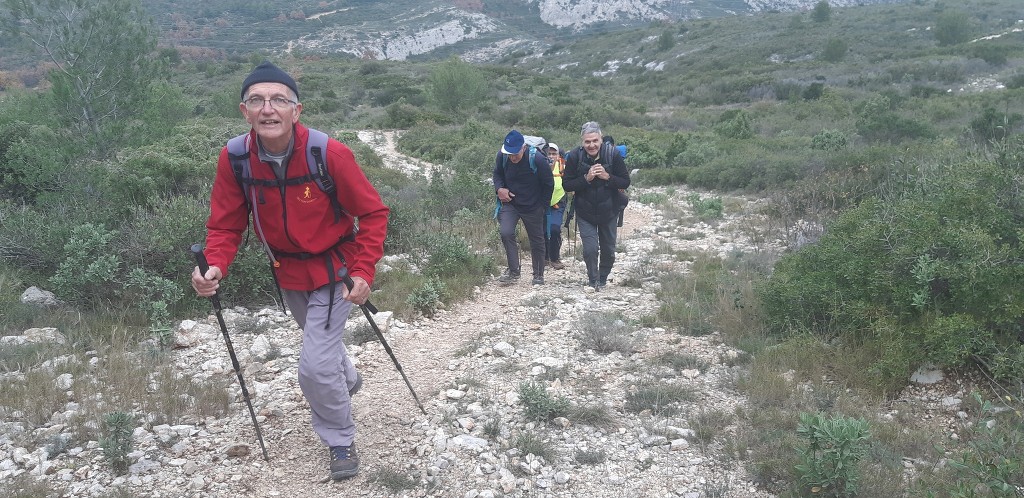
[928, 273]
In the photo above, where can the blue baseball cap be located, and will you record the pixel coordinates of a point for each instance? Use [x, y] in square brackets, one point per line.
[513, 143]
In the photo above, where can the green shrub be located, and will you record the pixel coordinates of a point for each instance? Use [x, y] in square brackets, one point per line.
[447, 253]
[953, 28]
[814, 91]
[118, 441]
[834, 447]
[401, 115]
[531, 444]
[153, 295]
[1016, 81]
[666, 40]
[734, 124]
[539, 405]
[997, 55]
[829, 140]
[835, 50]
[643, 153]
[876, 121]
[32, 161]
[90, 266]
[156, 238]
[250, 282]
[456, 85]
[664, 176]
[709, 208]
[994, 460]
[995, 125]
[822, 11]
[697, 154]
[427, 297]
[918, 273]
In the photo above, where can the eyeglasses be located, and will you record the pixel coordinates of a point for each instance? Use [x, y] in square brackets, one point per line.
[257, 103]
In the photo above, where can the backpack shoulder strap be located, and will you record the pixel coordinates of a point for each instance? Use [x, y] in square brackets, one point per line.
[607, 151]
[316, 149]
[238, 154]
[577, 154]
[533, 153]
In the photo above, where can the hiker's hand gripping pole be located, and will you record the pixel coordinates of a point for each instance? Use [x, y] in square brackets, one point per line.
[367, 309]
[197, 251]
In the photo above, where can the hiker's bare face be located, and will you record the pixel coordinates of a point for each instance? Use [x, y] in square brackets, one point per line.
[273, 125]
[553, 154]
[592, 143]
[517, 156]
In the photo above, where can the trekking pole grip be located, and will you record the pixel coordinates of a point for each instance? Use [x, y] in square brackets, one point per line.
[204, 266]
[347, 280]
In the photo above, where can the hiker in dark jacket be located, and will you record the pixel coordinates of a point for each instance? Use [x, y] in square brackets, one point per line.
[524, 191]
[595, 181]
[307, 240]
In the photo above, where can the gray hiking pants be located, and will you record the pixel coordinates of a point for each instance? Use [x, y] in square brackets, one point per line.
[325, 371]
[533, 222]
[598, 248]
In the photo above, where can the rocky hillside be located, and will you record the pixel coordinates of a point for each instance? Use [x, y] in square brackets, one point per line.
[403, 29]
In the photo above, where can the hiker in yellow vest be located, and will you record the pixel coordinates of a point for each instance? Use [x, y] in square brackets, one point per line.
[553, 231]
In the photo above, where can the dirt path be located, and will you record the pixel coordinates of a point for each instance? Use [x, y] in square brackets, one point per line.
[390, 426]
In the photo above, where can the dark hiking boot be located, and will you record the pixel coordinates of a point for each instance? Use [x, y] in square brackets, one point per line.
[556, 265]
[357, 386]
[538, 280]
[508, 278]
[344, 462]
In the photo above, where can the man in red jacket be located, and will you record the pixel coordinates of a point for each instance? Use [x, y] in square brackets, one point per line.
[296, 223]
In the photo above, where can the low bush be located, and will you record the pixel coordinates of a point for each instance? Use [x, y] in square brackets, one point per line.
[541, 406]
[660, 398]
[920, 272]
[829, 460]
[605, 332]
[118, 441]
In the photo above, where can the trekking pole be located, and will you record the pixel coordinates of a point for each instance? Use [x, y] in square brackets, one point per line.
[575, 226]
[197, 251]
[368, 308]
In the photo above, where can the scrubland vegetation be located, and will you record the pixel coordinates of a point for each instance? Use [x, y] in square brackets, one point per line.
[898, 128]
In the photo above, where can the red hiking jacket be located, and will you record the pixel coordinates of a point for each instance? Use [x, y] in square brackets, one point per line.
[302, 220]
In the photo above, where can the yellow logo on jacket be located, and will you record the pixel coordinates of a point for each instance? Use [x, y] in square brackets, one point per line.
[307, 195]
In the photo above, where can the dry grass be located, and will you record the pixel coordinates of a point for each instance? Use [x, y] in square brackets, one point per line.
[605, 332]
[707, 425]
[659, 398]
[124, 378]
[27, 486]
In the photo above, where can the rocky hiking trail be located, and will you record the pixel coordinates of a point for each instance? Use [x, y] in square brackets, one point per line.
[466, 365]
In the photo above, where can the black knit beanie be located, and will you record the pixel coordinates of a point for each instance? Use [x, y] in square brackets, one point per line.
[269, 73]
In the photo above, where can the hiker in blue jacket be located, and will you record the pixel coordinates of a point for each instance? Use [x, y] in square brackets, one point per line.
[523, 183]
[595, 172]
